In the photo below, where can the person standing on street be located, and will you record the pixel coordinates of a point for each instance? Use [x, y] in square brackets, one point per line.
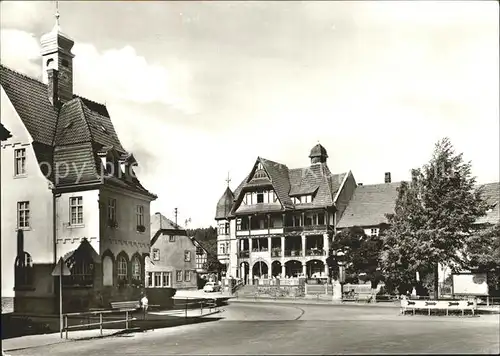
[144, 304]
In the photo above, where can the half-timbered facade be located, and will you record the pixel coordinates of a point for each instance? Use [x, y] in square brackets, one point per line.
[280, 221]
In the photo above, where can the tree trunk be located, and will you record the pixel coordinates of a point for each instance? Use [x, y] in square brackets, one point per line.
[436, 281]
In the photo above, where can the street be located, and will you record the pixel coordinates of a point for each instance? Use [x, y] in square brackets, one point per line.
[258, 328]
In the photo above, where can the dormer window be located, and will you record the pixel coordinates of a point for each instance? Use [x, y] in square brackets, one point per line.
[260, 197]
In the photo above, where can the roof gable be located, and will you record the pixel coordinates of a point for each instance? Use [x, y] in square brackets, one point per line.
[74, 132]
[30, 99]
[369, 205]
[490, 194]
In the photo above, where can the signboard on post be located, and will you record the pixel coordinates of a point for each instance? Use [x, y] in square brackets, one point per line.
[474, 284]
[57, 272]
[60, 270]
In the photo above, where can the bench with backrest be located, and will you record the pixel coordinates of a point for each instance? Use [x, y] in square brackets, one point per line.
[126, 305]
[444, 305]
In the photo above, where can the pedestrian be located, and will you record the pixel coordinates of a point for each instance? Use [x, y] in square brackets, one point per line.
[144, 304]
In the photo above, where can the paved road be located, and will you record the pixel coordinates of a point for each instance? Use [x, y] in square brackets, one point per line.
[248, 328]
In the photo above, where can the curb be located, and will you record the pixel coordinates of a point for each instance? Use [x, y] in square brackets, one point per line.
[74, 340]
[313, 302]
[120, 332]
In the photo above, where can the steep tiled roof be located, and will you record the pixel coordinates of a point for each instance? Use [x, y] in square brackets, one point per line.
[279, 177]
[30, 99]
[160, 224]
[315, 179]
[70, 137]
[491, 194]
[75, 163]
[224, 204]
[369, 204]
[4, 133]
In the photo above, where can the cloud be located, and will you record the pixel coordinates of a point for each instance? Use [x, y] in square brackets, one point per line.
[125, 75]
[20, 50]
[206, 92]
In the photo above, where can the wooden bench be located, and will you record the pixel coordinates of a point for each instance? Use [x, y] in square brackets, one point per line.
[356, 297]
[447, 305]
[127, 305]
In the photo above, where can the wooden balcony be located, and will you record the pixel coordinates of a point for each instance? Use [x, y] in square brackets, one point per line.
[300, 229]
[293, 253]
[315, 252]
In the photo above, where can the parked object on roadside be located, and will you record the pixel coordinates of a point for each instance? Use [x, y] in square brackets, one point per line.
[211, 287]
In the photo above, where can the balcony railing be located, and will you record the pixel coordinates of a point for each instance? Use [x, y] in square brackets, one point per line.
[315, 252]
[244, 254]
[293, 253]
[276, 253]
[288, 229]
[262, 249]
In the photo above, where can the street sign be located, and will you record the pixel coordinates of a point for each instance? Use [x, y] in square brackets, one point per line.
[57, 269]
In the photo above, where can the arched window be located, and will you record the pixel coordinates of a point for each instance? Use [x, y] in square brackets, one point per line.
[82, 269]
[23, 270]
[136, 269]
[122, 268]
[107, 271]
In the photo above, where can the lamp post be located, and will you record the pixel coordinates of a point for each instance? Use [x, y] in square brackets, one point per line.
[340, 254]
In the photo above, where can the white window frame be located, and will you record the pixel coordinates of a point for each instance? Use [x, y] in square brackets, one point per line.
[121, 268]
[112, 210]
[171, 238]
[20, 162]
[187, 256]
[374, 232]
[156, 254]
[136, 269]
[76, 210]
[165, 279]
[139, 214]
[23, 213]
[187, 275]
[179, 274]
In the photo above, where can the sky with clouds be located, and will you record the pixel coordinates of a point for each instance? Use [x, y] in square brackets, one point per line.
[199, 89]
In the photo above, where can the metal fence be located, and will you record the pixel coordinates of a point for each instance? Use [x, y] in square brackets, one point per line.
[194, 302]
[100, 314]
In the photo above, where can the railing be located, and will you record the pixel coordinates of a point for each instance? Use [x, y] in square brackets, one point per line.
[263, 249]
[206, 302]
[99, 313]
[244, 254]
[315, 252]
[276, 253]
[288, 229]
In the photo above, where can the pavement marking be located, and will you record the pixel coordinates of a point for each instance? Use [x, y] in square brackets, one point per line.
[302, 311]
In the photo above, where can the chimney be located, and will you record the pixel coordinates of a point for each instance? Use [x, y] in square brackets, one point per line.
[387, 177]
[53, 86]
[20, 243]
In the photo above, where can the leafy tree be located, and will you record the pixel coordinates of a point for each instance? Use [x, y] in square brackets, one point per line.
[213, 265]
[362, 254]
[482, 252]
[433, 216]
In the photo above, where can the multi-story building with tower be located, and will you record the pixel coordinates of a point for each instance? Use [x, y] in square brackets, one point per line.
[69, 191]
[280, 221]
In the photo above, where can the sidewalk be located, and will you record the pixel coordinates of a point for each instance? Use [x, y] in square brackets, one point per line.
[154, 320]
[25, 342]
[314, 301]
[320, 301]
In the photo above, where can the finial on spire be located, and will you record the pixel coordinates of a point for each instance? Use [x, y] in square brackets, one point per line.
[228, 179]
[57, 15]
